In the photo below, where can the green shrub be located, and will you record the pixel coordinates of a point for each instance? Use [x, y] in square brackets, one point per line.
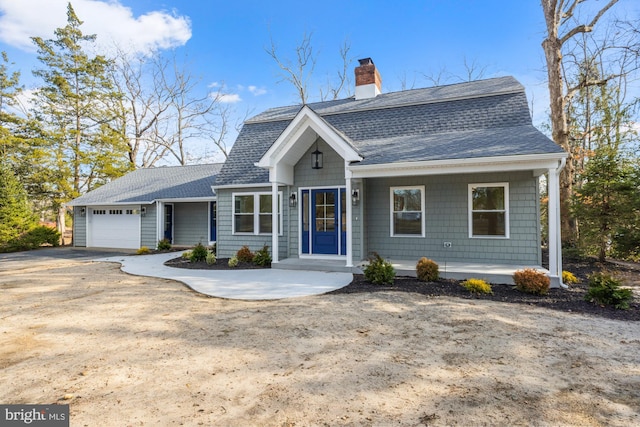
[186, 255]
[427, 270]
[379, 271]
[211, 258]
[33, 239]
[605, 289]
[262, 257]
[143, 250]
[164, 245]
[477, 286]
[531, 281]
[198, 253]
[569, 278]
[233, 261]
[244, 254]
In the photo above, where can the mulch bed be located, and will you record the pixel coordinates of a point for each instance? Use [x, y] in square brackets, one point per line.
[567, 300]
[221, 264]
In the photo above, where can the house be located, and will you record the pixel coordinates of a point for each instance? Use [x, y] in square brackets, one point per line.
[451, 173]
[148, 205]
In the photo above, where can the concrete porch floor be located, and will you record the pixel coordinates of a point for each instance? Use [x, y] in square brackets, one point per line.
[492, 273]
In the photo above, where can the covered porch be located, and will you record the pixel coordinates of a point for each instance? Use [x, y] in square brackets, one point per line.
[492, 273]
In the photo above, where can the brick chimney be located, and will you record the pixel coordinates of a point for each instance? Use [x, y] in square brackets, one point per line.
[368, 81]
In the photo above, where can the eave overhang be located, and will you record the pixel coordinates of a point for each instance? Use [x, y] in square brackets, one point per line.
[538, 163]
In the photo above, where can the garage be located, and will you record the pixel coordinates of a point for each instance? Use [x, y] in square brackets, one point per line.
[113, 227]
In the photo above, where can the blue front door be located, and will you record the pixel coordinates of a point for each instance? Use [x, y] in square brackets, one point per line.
[324, 221]
[168, 222]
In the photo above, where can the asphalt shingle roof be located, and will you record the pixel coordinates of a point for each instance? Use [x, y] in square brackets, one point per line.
[147, 185]
[469, 120]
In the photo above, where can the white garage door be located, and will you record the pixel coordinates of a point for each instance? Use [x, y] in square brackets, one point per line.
[114, 227]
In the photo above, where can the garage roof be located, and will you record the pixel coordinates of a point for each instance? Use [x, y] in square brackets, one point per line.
[145, 186]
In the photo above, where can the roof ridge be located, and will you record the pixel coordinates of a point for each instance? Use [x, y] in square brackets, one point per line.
[370, 104]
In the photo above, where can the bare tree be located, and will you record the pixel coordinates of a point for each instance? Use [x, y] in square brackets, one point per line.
[335, 89]
[162, 111]
[472, 71]
[143, 103]
[299, 71]
[562, 28]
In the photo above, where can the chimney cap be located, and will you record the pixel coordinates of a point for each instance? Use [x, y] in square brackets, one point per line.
[366, 61]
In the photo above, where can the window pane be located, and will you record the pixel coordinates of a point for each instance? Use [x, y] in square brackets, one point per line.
[244, 204]
[407, 223]
[407, 200]
[489, 224]
[488, 198]
[305, 210]
[265, 224]
[343, 210]
[265, 203]
[244, 223]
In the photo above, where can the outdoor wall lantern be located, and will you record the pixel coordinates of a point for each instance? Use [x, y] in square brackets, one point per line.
[143, 211]
[83, 211]
[316, 158]
[355, 197]
[293, 202]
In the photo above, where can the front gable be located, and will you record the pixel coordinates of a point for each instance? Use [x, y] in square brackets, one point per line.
[306, 128]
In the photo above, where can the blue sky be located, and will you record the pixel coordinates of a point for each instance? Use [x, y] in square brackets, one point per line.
[225, 41]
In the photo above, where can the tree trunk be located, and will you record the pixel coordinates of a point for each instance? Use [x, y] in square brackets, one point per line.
[560, 134]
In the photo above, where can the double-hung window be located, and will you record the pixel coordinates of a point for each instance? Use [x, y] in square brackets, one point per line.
[489, 210]
[407, 211]
[252, 213]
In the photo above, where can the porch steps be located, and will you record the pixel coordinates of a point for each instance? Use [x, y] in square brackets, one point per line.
[329, 265]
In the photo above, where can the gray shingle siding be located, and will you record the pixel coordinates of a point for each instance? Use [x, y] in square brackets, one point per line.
[446, 220]
[148, 235]
[79, 227]
[190, 223]
[228, 243]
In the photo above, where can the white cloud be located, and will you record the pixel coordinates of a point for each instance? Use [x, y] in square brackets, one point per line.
[109, 20]
[229, 98]
[256, 91]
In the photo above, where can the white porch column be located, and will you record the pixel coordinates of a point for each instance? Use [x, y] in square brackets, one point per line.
[349, 236]
[555, 240]
[159, 221]
[274, 222]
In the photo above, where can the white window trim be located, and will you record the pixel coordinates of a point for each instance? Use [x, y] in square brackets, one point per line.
[256, 213]
[505, 185]
[422, 214]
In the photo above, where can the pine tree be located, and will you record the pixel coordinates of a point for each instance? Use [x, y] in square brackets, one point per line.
[16, 216]
[83, 152]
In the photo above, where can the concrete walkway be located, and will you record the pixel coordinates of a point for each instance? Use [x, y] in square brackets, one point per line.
[258, 284]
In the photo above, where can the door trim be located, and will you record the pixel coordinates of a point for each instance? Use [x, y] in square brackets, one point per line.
[300, 210]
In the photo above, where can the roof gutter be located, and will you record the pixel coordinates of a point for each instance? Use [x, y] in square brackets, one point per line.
[536, 162]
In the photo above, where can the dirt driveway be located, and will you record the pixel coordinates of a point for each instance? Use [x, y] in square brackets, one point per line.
[128, 350]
